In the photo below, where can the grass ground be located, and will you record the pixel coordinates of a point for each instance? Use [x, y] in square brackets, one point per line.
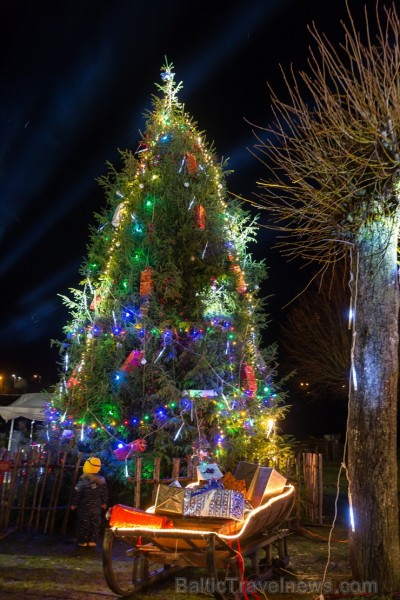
[49, 568]
[42, 567]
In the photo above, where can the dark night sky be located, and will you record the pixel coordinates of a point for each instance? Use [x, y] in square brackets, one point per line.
[76, 78]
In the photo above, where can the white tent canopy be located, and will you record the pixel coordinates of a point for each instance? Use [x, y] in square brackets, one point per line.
[30, 406]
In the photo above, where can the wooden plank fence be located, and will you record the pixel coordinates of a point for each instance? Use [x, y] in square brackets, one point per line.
[176, 470]
[36, 487]
[309, 487]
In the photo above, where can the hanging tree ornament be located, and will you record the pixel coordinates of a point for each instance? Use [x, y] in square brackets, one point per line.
[191, 163]
[127, 450]
[200, 216]
[118, 214]
[72, 381]
[241, 284]
[150, 232]
[201, 448]
[146, 282]
[168, 343]
[96, 301]
[132, 361]
[167, 74]
[146, 290]
[249, 381]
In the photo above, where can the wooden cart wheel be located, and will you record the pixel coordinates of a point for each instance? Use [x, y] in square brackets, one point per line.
[124, 574]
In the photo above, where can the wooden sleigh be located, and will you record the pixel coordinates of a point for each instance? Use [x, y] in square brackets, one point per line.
[138, 557]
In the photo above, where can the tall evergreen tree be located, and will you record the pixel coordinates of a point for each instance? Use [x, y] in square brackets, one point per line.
[164, 338]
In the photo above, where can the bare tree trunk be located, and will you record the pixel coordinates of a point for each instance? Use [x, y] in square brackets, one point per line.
[372, 431]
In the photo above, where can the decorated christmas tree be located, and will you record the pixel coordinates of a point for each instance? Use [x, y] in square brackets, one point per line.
[164, 345]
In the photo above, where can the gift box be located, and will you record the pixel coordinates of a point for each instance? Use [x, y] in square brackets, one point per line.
[169, 500]
[261, 482]
[127, 516]
[208, 471]
[216, 503]
[229, 482]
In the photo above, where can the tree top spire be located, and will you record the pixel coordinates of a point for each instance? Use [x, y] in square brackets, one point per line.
[169, 87]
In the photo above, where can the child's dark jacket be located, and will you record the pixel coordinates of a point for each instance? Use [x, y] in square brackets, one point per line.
[90, 493]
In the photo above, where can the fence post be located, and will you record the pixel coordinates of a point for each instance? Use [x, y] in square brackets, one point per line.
[176, 463]
[71, 491]
[190, 468]
[57, 483]
[34, 499]
[138, 479]
[156, 476]
[313, 486]
[42, 490]
[320, 489]
[298, 490]
[13, 484]
[23, 492]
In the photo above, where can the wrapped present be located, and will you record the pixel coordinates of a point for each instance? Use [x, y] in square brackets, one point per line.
[229, 482]
[261, 482]
[169, 500]
[175, 484]
[208, 471]
[216, 503]
[126, 516]
[245, 471]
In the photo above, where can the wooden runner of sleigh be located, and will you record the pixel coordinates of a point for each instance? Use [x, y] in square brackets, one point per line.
[135, 558]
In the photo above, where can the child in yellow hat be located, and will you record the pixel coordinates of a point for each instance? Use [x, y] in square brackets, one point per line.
[89, 498]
